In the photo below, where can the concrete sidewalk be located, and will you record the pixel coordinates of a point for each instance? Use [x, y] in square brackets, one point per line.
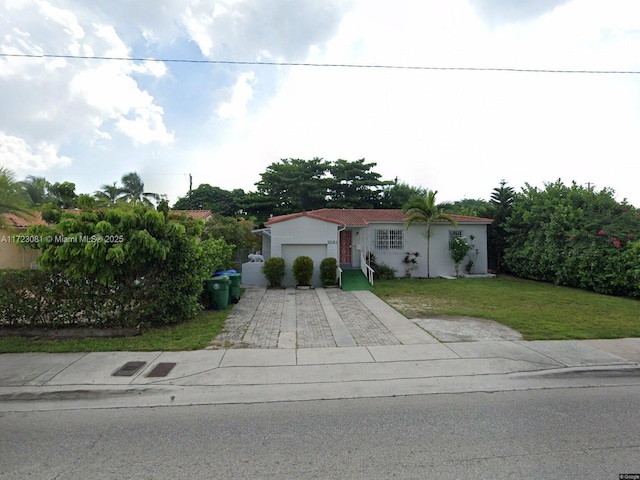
[86, 380]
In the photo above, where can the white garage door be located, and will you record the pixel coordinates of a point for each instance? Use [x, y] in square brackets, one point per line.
[291, 252]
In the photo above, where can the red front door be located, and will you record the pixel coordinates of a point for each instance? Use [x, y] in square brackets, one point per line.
[345, 247]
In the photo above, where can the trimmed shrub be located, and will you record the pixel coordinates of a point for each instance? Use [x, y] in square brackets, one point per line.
[328, 271]
[303, 270]
[384, 272]
[273, 270]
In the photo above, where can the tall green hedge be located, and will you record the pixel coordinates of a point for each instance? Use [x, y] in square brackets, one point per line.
[110, 268]
[575, 236]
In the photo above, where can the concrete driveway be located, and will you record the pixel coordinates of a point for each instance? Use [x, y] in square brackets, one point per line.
[312, 318]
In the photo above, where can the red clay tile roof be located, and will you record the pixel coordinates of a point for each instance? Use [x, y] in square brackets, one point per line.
[203, 214]
[362, 217]
[17, 222]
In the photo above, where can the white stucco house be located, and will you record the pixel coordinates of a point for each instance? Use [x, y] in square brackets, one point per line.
[348, 234]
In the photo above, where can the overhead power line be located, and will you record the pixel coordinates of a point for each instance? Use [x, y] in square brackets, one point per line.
[325, 65]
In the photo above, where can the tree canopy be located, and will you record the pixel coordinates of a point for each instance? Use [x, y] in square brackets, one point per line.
[206, 197]
[295, 185]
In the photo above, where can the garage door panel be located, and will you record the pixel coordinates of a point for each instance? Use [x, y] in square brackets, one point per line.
[291, 252]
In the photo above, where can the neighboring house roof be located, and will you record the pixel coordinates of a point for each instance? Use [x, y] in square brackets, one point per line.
[15, 221]
[363, 217]
[203, 214]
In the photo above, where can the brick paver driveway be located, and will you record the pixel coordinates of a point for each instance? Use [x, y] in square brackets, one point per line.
[305, 318]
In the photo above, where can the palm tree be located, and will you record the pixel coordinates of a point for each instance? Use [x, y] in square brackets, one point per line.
[109, 194]
[424, 209]
[133, 190]
[13, 199]
[36, 188]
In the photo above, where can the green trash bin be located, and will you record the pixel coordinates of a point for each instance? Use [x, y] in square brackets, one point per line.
[218, 288]
[234, 288]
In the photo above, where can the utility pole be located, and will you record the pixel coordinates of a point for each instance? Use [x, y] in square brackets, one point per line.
[190, 184]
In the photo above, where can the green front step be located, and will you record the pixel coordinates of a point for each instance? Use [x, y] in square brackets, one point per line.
[354, 280]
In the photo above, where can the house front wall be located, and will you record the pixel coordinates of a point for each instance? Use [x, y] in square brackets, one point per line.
[414, 240]
[319, 239]
[303, 236]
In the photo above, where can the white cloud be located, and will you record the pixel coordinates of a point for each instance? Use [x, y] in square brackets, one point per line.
[146, 126]
[242, 93]
[65, 18]
[74, 100]
[20, 157]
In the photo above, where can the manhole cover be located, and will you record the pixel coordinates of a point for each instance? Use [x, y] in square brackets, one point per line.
[161, 369]
[129, 369]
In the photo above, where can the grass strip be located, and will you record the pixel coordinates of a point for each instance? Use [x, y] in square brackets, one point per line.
[194, 334]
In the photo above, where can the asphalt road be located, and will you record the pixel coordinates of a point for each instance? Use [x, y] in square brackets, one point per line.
[579, 433]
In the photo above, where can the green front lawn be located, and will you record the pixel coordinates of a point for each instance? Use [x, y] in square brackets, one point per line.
[192, 335]
[539, 311]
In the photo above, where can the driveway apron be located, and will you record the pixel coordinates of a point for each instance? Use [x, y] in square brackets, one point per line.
[312, 318]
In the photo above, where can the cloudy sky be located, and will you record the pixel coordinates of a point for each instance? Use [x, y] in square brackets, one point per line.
[460, 132]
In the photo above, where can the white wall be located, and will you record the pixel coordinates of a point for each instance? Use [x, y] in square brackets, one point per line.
[252, 274]
[302, 236]
[441, 263]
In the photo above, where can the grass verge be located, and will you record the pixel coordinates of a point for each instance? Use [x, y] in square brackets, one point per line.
[539, 311]
[192, 335]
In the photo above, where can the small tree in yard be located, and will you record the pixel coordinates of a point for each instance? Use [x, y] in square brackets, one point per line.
[459, 249]
[273, 270]
[303, 270]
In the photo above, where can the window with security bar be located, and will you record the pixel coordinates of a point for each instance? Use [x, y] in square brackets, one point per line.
[389, 239]
[454, 234]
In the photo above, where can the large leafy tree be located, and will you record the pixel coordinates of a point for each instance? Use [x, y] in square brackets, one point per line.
[63, 195]
[397, 194]
[205, 197]
[13, 198]
[236, 232]
[294, 185]
[424, 209]
[133, 190]
[354, 185]
[469, 206]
